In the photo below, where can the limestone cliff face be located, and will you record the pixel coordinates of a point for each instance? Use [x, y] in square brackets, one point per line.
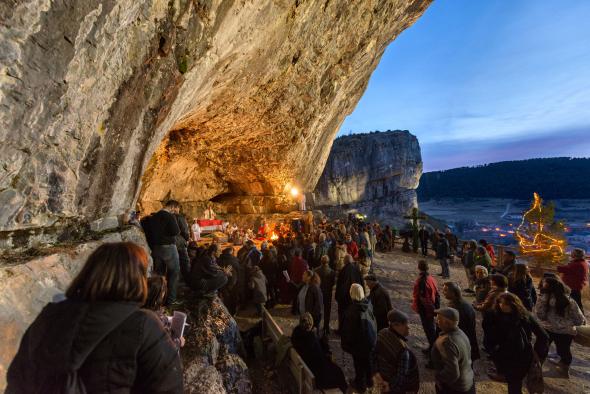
[203, 99]
[376, 174]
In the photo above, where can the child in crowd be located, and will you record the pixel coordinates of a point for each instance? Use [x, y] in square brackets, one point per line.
[155, 301]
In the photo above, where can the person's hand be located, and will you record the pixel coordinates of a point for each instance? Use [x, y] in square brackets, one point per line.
[182, 341]
[380, 382]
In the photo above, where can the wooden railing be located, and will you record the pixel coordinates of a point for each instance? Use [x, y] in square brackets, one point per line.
[302, 374]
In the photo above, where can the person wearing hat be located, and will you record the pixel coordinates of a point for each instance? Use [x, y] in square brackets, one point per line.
[380, 299]
[575, 275]
[451, 355]
[395, 366]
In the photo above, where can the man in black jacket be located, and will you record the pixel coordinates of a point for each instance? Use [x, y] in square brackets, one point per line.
[423, 235]
[182, 245]
[328, 278]
[380, 299]
[348, 275]
[163, 229]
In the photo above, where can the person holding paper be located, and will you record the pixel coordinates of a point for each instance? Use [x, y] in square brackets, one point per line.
[155, 301]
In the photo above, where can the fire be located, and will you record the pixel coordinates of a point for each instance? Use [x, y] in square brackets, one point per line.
[273, 236]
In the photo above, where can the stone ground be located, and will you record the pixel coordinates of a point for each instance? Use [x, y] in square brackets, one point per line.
[397, 272]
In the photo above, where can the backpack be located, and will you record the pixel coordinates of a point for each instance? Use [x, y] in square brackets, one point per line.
[369, 327]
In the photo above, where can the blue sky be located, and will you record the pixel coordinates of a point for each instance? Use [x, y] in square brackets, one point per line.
[480, 81]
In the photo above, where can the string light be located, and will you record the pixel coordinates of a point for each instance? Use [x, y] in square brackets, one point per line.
[542, 242]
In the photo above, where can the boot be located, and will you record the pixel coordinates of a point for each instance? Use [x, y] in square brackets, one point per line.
[564, 369]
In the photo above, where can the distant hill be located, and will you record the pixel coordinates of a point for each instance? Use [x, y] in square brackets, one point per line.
[552, 178]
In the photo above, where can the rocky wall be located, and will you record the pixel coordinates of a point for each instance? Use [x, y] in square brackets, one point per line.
[102, 101]
[375, 174]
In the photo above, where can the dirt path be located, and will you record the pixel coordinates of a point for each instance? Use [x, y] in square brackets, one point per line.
[397, 272]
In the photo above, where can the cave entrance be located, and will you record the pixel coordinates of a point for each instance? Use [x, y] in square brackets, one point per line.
[199, 171]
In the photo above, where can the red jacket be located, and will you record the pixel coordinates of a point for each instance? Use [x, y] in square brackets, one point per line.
[352, 249]
[296, 269]
[425, 302]
[575, 274]
[492, 254]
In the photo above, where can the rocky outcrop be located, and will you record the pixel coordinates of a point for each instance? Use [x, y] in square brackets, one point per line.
[27, 287]
[212, 355]
[194, 100]
[375, 174]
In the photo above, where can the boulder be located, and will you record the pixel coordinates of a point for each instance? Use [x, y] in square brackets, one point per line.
[213, 340]
[375, 174]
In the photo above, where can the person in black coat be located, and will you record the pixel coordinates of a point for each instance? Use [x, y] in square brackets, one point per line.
[310, 300]
[270, 268]
[359, 335]
[206, 276]
[348, 275]
[520, 283]
[510, 336]
[467, 319]
[230, 293]
[99, 339]
[380, 300]
[328, 278]
[327, 374]
[423, 235]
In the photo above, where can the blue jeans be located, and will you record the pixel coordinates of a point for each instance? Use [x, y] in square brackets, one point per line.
[166, 262]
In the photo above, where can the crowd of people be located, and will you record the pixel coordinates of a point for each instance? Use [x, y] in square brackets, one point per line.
[112, 308]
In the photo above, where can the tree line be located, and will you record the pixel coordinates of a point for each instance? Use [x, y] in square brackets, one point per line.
[552, 178]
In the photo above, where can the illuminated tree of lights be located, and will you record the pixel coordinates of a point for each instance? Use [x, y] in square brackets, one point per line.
[539, 235]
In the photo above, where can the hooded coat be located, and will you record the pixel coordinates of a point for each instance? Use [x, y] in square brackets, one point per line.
[110, 346]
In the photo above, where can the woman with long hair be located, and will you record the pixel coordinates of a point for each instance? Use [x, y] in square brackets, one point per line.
[520, 283]
[509, 336]
[559, 314]
[99, 337]
[310, 299]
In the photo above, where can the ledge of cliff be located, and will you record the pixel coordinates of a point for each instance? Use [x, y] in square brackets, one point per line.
[375, 174]
[106, 103]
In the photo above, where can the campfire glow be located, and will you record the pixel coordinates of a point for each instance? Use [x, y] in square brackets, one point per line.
[273, 236]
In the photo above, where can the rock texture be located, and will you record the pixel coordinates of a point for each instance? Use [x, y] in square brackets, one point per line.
[212, 355]
[26, 288]
[201, 98]
[375, 174]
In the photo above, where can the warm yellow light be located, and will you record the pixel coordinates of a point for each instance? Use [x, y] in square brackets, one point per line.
[541, 242]
[294, 191]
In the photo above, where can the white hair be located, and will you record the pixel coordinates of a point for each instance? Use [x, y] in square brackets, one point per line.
[357, 292]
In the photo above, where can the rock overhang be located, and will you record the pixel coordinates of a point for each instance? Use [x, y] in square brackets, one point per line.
[96, 94]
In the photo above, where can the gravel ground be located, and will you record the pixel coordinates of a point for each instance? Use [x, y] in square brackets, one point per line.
[397, 272]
